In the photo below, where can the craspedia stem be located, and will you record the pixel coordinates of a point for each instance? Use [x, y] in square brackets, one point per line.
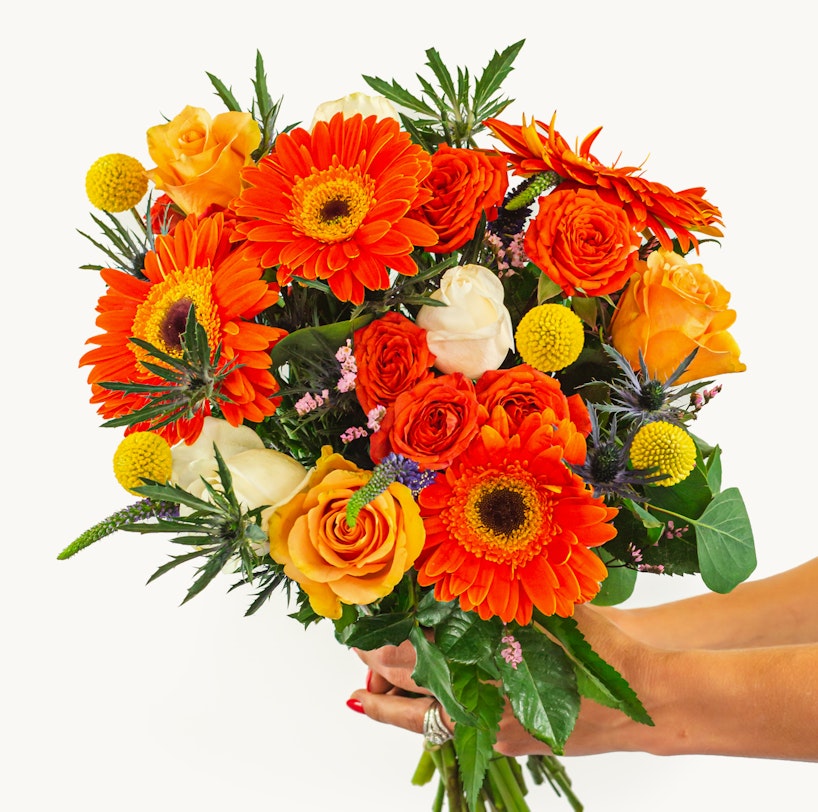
[538, 185]
[138, 512]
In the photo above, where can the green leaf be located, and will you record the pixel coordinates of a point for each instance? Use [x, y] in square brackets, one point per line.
[714, 470]
[311, 341]
[499, 66]
[395, 93]
[431, 612]
[725, 542]
[443, 76]
[542, 689]
[687, 499]
[374, 631]
[465, 638]
[432, 672]
[474, 744]
[224, 93]
[596, 678]
[619, 584]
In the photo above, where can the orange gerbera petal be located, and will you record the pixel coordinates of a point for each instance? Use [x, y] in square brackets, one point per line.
[648, 205]
[334, 204]
[509, 525]
[195, 264]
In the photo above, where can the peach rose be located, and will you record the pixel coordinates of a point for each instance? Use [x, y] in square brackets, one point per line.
[582, 243]
[333, 562]
[392, 356]
[432, 423]
[199, 159]
[670, 308]
[522, 390]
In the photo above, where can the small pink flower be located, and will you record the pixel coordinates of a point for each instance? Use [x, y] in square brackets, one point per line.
[353, 433]
[513, 655]
[374, 417]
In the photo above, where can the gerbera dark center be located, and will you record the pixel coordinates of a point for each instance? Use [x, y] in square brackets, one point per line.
[334, 209]
[174, 323]
[502, 511]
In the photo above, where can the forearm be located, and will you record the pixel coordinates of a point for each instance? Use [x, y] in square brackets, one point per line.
[753, 703]
[779, 610]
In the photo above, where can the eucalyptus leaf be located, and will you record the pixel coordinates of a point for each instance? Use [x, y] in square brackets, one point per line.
[725, 542]
[619, 584]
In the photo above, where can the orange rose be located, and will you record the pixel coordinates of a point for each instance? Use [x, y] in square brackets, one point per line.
[521, 390]
[464, 183]
[392, 356]
[333, 562]
[199, 159]
[582, 243]
[432, 423]
[670, 308]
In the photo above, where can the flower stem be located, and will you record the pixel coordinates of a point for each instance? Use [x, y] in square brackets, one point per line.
[555, 773]
[506, 785]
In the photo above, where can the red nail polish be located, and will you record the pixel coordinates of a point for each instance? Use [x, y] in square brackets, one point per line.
[355, 704]
[368, 678]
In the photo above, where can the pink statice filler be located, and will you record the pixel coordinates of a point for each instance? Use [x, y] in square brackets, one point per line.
[513, 653]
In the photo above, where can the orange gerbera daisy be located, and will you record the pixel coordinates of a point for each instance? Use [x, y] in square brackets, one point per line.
[648, 205]
[332, 204]
[195, 266]
[509, 525]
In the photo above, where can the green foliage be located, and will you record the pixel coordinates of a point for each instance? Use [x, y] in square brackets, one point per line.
[542, 688]
[125, 248]
[453, 109]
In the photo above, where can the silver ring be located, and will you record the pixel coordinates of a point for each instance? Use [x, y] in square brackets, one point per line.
[435, 732]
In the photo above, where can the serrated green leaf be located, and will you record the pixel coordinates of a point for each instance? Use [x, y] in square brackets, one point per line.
[224, 93]
[474, 744]
[443, 76]
[432, 672]
[594, 674]
[374, 631]
[431, 612]
[725, 542]
[395, 93]
[464, 638]
[542, 689]
[499, 66]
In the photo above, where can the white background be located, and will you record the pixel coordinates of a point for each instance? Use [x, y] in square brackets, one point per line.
[113, 697]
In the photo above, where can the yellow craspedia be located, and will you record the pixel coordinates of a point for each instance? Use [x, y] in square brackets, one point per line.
[664, 446]
[116, 182]
[550, 337]
[142, 455]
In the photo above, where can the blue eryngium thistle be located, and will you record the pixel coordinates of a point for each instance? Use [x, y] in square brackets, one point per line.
[138, 512]
[392, 468]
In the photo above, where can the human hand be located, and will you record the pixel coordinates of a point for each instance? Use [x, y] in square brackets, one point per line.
[392, 697]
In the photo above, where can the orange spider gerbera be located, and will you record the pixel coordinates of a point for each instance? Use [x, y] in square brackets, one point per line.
[648, 205]
[194, 266]
[509, 525]
[332, 204]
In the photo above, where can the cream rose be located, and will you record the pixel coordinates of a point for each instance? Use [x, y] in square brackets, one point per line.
[261, 476]
[378, 106]
[473, 333]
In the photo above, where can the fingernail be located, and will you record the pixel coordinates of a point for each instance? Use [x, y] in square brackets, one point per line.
[356, 705]
[368, 678]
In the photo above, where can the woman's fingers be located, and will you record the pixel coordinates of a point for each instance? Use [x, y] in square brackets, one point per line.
[391, 666]
[401, 711]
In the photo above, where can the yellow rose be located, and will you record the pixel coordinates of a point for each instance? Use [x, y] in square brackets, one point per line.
[199, 159]
[333, 562]
[362, 103]
[261, 476]
[668, 309]
[473, 333]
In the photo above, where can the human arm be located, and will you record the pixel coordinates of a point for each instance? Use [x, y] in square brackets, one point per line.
[779, 610]
[753, 702]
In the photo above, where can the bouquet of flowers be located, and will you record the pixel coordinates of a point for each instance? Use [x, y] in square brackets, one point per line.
[429, 371]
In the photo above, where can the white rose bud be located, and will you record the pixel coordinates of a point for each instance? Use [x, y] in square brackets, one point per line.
[261, 476]
[378, 106]
[473, 333]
